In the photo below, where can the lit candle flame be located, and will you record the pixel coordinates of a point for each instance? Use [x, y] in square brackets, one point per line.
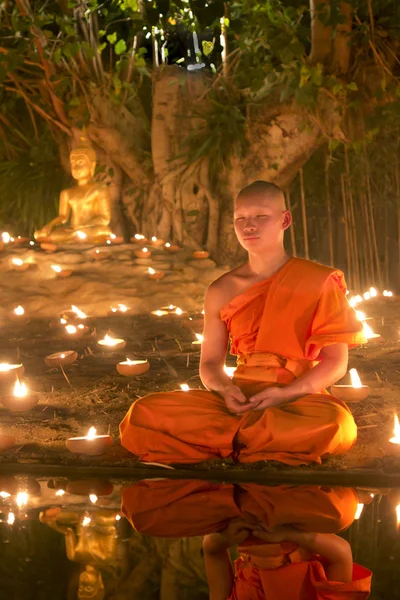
[60, 492]
[6, 237]
[110, 341]
[151, 271]
[86, 521]
[81, 235]
[4, 495]
[93, 498]
[199, 337]
[398, 514]
[117, 517]
[360, 315]
[10, 518]
[19, 310]
[396, 430]
[367, 296]
[159, 313]
[145, 249]
[17, 261]
[355, 379]
[71, 329]
[56, 268]
[360, 508]
[154, 239]
[373, 292]
[139, 236]
[20, 389]
[78, 312]
[168, 245]
[387, 293]
[185, 387]
[91, 434]
[178, 311]
[63, 321]
[229, 370]
[368, 332]
[113, 236]
[22, 499]
[4, 367]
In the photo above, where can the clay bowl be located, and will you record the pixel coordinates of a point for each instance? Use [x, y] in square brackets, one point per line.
[80, 332]
[64, 273]
[350, 394]
[112, 347]
[84, 487]
[101, 254]
[48, 246]
[172, 248]
[20, 404]
[21, 240]
[200, 254]
[142, 242]
[6, 442]
[141, 254]
[61, 358]
[11, 373]
[132, 368]
[117, 239]
[157, 242]
[24, 267]
[94, 447]
[157, 275]
[392, 449]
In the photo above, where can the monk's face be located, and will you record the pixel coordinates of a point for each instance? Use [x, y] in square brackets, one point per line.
[260, 221]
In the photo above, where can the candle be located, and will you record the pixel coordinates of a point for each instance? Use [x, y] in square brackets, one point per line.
[200, 339]
[200, 254]
[367, 296]
[21, 399]
[351, 393]
[138, 238]
[388, 294]
[19, 265]
[184, 387]
[116, 239]
[59, 359]
[160, 313]
[368, 332]
[101, 254]
[9, 372]
[48, 247]
[156, 241]
[60, 272]
[372, 292]
[5, 236]
[19, 311]
[129, 368]
[171, 247]
[6, 441]
[396, 438]
[155, 274]
[230, 371]
[112, 343]
[91, 444]
[81, 235]
[143, 253]
[359, 510]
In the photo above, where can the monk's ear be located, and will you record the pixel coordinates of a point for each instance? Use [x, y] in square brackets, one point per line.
[286, 220]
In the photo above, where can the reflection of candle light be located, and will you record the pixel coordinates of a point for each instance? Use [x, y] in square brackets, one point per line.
[355, 379]
[93, 498]
[81, 235]
[185, 387]
[20, 389]
[86, 521]
[396, 438]
[10, 518]
[359, 510]
[60, 492]
[19, 310]
[22, 499]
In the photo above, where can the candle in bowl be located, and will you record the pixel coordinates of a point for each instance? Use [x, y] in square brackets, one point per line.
[120, 308]
[21, 400]
[61, 359]
[116, 239]
[91, 444]
[351, 393]
[74, 314]
[76, 331]
[199, 341]
[200, 254]
[10, 372]
[394, 442]
[157, 241]
[160, 313]
[18, 264]
[48, 247]
[184, 387]
[60, 272]
[6, 441]
[143, 253]
[130, 368]
[18, 314]
[153, 274]
[112, 343]
[21, 240]
[369, 333]
[101, 254]
[171, 247]
[138, 238]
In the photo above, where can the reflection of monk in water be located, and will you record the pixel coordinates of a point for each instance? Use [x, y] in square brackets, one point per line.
[90, 540]
[285, 536]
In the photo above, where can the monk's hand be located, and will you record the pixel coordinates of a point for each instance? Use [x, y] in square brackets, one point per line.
[235, 400]
[268, 398]
[236, 532]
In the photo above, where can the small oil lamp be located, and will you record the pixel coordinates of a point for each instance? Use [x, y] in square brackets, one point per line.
[48, 247]
[112, 343]
[19, 265]
[21, 240]
[21, 400]
[91, 444]
[130, 368]
[60, 272]
[200, 254]
[122, 308]
[101, 254]
[9, 372]
[367, 296]
[116, 239]
[387, 294]
[143, 253]
[6, 237]
[138, 238]
[171, 247]
[368, 332]
[184, 387]
[61, 359]
[6, 441]
[351, 393]
[230, 371]
[199, 341]
[18, 314]
[153, 274]
[394, 442]
[76, 331]
[156, 241]
[160, 312]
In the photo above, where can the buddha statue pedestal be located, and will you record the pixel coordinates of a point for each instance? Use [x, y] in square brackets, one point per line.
[84, 210]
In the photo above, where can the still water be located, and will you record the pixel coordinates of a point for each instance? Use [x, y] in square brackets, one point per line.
[159, 539]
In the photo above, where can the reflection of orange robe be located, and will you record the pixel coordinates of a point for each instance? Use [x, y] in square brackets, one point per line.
[264, 571]
[277, 328]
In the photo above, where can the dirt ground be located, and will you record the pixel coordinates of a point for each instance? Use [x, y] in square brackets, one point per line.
[95, 394]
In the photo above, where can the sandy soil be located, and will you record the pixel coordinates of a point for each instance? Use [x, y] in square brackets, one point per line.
[95, 394]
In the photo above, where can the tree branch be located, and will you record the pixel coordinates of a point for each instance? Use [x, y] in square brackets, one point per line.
[321, 36]
[341, 44]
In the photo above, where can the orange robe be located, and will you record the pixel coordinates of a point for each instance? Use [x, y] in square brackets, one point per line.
[264, 571]
[277, 328]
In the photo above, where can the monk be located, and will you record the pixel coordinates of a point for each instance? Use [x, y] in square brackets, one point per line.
[290, 326]
[285, 536]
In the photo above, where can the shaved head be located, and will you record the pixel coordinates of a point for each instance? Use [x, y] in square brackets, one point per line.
[262, 190]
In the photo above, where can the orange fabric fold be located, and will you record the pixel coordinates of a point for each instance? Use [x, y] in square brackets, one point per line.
[277, 329]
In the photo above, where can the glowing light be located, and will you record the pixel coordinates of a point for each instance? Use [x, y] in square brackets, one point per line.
[139, 236]
[31, 243]
[110, 341]
[185, 387]
[4, 495]
[63, 321]
[19, 311]
[355, 379]
[396, 430]
[22, 499]
[60, 492]
[368, 332]
[159, 313]
[178, 311]
[373, 292]
[200, 339]
[398, 514]
[367, 296]
[78, 312]
[4, 367]
[168, 245]
[10, 518]
[17, 262]
[71, 329]
[151, 271]
[387, 293]
[91, 434]
[113, 236]
[154, 239]
[86, 521]
[93, 498]
[230, 371]
[56, 268]
[360, 508]
[117, 517]
[81, 235]
[20, 389]
[145, 249]
[6, 237]
[360, 315]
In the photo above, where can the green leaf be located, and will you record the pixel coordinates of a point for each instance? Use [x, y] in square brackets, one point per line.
[112, 38]
[120, 47]
[352, 86]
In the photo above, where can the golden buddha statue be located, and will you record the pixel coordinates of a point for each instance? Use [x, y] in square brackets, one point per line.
[84, 210]
[91, 540]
